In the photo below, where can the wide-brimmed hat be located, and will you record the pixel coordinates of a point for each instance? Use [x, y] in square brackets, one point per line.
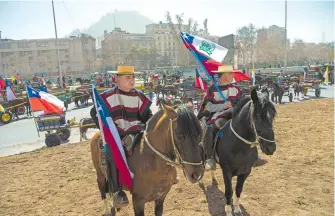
[125, 70]
[225, 69]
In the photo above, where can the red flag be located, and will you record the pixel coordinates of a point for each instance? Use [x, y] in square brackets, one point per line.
[199, 82]
[212, 65]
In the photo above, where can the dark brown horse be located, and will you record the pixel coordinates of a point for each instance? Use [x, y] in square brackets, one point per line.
[298, 88]
[171, 140]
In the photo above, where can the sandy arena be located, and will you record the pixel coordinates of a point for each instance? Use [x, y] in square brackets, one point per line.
[298, 180]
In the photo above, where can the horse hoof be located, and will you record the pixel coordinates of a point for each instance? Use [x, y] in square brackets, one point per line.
[237, 210]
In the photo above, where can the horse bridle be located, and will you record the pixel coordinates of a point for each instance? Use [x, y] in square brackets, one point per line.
[257, 136]
[180, 162]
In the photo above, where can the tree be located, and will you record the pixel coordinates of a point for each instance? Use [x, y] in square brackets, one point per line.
[245, 43]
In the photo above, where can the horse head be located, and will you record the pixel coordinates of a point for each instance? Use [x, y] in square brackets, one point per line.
[258, 113]
[177, 134]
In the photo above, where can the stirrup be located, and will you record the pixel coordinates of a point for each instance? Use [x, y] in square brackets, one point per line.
[120, 201]
[210, 164]
[128, 142]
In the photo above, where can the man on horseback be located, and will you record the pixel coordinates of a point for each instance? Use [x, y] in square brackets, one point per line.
[130, 110]
[216, 111]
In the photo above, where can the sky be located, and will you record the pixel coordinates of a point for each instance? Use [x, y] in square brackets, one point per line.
[307, 20]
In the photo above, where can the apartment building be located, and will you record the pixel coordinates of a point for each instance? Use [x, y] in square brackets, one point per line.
[272, 31]
[37, 56]
[166, 37]
[117, 46]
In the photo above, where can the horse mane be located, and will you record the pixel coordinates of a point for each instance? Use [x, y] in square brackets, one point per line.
[186, 118]
[265, 108]
[240, 105]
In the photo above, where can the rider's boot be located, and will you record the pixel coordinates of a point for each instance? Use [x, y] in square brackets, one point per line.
[210, 163]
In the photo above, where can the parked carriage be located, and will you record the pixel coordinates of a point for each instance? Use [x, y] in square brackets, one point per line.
[56, 128]
[313, 80]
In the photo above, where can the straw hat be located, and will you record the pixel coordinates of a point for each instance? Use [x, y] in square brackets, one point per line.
[125, 70]
[225, 69]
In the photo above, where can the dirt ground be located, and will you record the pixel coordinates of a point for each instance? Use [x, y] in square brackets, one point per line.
[298, 180]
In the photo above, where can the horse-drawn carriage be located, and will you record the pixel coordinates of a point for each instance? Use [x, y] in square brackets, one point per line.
[56, 128]
[313, 80]
[245, 87]
[16, 107]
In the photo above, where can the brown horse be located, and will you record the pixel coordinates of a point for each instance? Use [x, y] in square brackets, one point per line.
[171, 140]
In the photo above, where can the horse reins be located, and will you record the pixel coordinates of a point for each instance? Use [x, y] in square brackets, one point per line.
[252, 121]
[180, 162]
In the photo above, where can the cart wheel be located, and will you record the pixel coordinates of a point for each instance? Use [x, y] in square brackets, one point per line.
[64, 134]
[52, 140]
[317, 92]
[290, 97]
[21, 110]
[273, 97]
[6, 117]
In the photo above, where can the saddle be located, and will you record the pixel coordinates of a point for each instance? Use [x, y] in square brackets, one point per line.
[128, 149]
[129, 142]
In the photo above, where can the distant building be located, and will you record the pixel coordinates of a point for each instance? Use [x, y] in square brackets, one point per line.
[165, 36]
[272, 31]
[117, 46]
[36, 56]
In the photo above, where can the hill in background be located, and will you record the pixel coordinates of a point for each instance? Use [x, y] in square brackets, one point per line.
[130, 21]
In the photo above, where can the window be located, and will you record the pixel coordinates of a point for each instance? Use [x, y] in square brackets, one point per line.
[4, 45]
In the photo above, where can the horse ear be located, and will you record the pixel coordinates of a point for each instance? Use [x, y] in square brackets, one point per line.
[254, 96]
[169, 111]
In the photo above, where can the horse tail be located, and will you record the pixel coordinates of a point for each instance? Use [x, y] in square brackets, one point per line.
[96, 147]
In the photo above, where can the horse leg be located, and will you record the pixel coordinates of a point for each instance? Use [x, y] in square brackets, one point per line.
[159, 204]
[227, 177]
[238, 190]
[103, 188]
[138, 205]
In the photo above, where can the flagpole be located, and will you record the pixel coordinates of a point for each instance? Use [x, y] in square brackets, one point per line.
[38, 132]
[99, 117]
[209, 76]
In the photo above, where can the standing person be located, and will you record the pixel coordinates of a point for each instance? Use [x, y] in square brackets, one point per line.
[130, 110]
[216, 110]
[64, 81]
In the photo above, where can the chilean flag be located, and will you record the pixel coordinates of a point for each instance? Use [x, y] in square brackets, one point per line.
[209, 54]
[111, 137]
[199, 82]
[42, 101]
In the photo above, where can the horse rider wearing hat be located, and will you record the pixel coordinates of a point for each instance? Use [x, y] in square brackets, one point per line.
[130, 110]
[216, 111]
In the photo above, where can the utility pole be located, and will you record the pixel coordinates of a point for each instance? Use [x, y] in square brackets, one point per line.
[59, 69]
[285, 60]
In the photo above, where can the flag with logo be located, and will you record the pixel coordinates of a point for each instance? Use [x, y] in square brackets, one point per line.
[199, 82]
[209, 54]
[112, 139]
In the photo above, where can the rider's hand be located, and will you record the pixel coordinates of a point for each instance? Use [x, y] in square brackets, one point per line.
[227, 105]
